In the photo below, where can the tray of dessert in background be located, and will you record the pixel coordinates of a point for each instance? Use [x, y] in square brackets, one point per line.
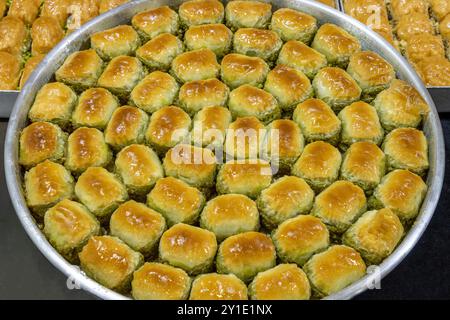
[420, 30]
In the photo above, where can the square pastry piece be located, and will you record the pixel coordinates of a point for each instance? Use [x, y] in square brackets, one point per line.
[14, 36]
[413, 24]
[209, 125]
[317, 121]
[245, 255]
[40, 141]
[110, 262]
[80, 70]
[318, 164]
[401, 8]
[424, 47]
[248, 14]
[127, 126]
[159, 52]
[168, 126]
[406, 148]
[230, 214]
[139, 167]
[100, 191]
[400, 106]
[59, 222]
[286, 198]
[10, 66]
[297, 239]
[176, 201]
[299, 56]
[360, 122]
[45, 185]
[138, 226]
[339, 205]
[257, 42]
[375, 235]
[238, 69]
[86, 147]
[117, 41]
[196, 95]
[54, 102]
[336, 87]
[56, 9]
[213, 286]
[156, 90]
[25, 10]
[121, 75]
[154, 22]
[194, 65]
[435, 71]
[29, 67]
[293, 25]
[94, 109]
[216, 37]
[191, 248]
[196, 12]
[334, 269]
[336, 44]
[364, 164]
[46, 32]
[244, 139]
[248, 177]
[401, 191]
[283, 282]
[157, 281]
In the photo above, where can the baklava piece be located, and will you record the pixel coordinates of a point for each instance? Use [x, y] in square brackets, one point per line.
[435, 71]
[80, 12]
[46, 32]
[248, 14]
[157, 281]
[297, 239]
[245, 255]
[100, 191]
[286, 198]
[154, 22]
[229, 214]
[318, 164]
[249, 101]
[401, 191]
[80, 70]
[334, 269]
[68, 226]
[14, 36]
[131, 71]
[191, 248]
[293, 25]
[45, 185]
[168, 126]
[289, 86]
[238, 69]
[196, 95]
[29, 67]
[336, 44]
[176, 201]
[360, 122]
[25, 10]
[257, 43]
[336, 87]
[127, 126]
[139, 167]
[196, 12]
[440, 8]
[57, 9]
[86, 147]
[117, 41]
[283, 282]
[248, 177]
[317, 121]
[400, 8]
[375, 235]
[413, 24]
[110, 262]
[424, 47]
[216, 37]
[138, 226]
[209, 127]
[364, 164]
[159, 52]
[54, 102]
[158, 89]
[406, 148]
[213, 286]
[194, 65]
[244, 138]
[40, 141]
[400, 106]
[106, 5]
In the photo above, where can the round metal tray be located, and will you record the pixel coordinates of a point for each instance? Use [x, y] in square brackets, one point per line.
[80, 39]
